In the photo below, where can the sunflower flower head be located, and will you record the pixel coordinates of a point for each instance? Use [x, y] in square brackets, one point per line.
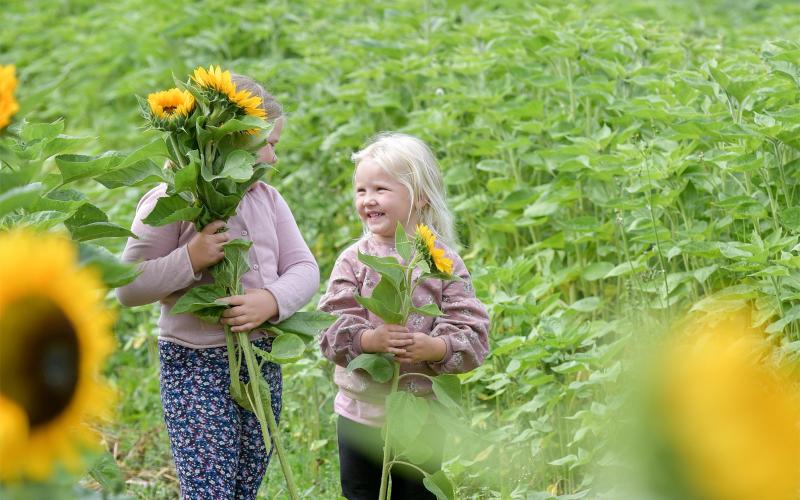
[221, 86]
[171, 103]
[56, 334]
[8, 104]
[731, 409]
[425, 243]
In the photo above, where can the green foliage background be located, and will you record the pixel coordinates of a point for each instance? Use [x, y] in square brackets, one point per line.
[607, 162]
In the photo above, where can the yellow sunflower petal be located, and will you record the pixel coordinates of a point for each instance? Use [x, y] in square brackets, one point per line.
[51, 309]
[8, 104]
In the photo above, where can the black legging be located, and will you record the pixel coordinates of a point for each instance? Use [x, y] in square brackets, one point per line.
[360, 459]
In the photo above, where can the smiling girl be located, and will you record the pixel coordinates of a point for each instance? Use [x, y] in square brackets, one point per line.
[396, 180]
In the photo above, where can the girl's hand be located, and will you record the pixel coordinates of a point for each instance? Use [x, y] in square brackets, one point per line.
[205, 247]
[250, 310]
[386, 338]
[423, 348]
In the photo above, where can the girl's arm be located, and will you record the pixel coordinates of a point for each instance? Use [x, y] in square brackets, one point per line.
[464, 327]
[341, 342]
[298, 273]
[165, 267]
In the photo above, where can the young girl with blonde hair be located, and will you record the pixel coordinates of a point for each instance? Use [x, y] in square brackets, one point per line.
[396, 179]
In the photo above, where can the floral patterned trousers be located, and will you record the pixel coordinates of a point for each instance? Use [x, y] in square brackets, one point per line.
[217, 445]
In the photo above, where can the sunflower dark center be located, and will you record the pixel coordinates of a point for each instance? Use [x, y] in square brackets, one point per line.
[170, 109]
[39, 358]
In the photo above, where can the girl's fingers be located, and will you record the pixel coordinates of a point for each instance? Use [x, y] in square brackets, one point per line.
[396, 351]
[232, 312]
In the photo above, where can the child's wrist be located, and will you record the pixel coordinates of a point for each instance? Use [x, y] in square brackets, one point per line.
[366, 340]
[439, 350]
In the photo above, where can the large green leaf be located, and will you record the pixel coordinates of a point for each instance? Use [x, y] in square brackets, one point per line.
[378, 367]
[387, 267]
[307, 324]
[113, 272]
[75, 167]
[406, 416]
[439, 485]
[19, 198]
[97, 230]
[203, 301]
[237, 125]
[142, 172]
[170, 209]
[447, 388]
[287, 348]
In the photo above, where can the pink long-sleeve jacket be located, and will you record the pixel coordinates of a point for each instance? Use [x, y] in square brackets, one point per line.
[280, 262]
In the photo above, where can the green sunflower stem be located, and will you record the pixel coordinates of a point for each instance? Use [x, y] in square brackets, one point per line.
[173, 142]
[387, 464]
[266, 418]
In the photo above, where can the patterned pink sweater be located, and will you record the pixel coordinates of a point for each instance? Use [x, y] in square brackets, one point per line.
[464, 328]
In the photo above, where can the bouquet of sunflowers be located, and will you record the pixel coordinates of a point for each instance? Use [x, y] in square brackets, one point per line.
[213, 131]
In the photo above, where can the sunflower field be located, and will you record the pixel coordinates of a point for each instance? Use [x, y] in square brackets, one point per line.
[623, 175]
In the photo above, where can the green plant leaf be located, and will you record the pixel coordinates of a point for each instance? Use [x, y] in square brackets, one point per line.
[186, 178]
[171, 209]
[402, 243]
[75, 167]
[307, 324]
[428, 310]
[113, 271]
[447, 388]
[142, 172]
[287, 348]
[439, 485]
[378, 367]
[202, 301]
[387, 267]
[97, 230]
[237, 125]
[406, 416]
[19, 198]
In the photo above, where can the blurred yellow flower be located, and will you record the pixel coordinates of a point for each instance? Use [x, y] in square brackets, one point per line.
[13, 430]
[171, 103]
[732, 410]
[54, 337]
[216, 79]
[8, 105]
[434, 256]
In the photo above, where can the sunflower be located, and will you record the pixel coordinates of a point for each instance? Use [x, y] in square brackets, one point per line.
[171, 103]
[8, 105]
[215, 79]
[434, 256]
[731, 410]
[54, 337]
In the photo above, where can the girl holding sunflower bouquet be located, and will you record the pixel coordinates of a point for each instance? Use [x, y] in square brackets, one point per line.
[216, 443]
[397, 180]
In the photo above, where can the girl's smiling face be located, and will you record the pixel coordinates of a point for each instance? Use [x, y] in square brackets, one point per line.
[381, 201]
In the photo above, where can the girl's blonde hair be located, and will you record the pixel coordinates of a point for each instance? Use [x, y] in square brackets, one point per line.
[410, 161]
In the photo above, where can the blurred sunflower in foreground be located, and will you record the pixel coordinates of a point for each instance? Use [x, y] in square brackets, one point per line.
[54, 338]
[8, 105]
[730, 409]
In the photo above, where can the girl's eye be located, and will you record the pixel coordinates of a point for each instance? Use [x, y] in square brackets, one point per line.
[382, 189]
